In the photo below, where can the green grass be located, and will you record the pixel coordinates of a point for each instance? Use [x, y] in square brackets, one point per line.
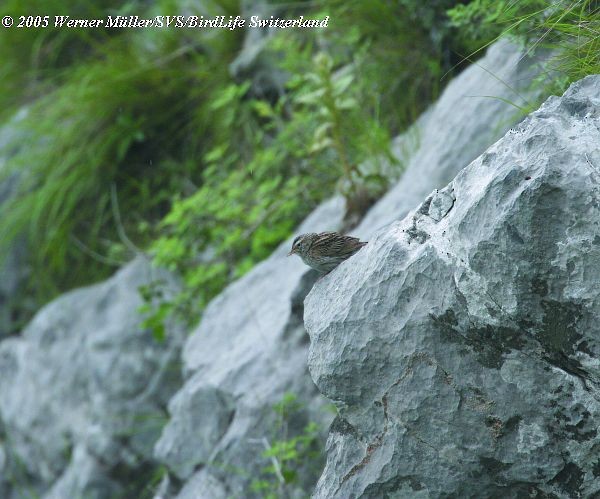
[570, 30]
[119, 131]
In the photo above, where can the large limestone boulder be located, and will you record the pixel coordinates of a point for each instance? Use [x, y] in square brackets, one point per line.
[83, 392]
[461, 345]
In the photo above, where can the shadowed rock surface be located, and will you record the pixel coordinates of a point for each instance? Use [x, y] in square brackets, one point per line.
[461, 345]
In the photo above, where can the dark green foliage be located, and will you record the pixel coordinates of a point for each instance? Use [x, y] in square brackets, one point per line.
[32, 58]
[90, 137]
[108, 149]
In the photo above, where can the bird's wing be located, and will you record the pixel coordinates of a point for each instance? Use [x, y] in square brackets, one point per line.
[336, 245]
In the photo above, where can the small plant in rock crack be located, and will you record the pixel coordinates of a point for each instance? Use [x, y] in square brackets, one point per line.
[155, 309]
[294, 460]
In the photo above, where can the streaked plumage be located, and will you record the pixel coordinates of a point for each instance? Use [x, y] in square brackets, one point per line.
[325, 251]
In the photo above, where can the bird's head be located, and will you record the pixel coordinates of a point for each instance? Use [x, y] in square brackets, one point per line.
[301, 244]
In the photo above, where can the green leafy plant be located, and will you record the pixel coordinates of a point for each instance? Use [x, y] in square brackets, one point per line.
[249, 198]
[357, 141]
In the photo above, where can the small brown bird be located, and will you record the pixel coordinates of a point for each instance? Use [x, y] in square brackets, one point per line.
[325, 251]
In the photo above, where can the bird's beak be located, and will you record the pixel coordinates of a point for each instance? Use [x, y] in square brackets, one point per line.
[291, 252]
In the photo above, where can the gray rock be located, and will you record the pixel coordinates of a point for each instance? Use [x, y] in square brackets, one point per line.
[248, 351]
[83, 390]
[461, 349]
[85, 477]
[193, 431]
[164, 489]
[203, 485]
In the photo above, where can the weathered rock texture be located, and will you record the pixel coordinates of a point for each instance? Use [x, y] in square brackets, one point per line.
[83, 393]
[461, 345]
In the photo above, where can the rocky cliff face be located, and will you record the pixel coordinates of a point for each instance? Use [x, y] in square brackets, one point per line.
[90, 404]
[251, 346]
[461, 345]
